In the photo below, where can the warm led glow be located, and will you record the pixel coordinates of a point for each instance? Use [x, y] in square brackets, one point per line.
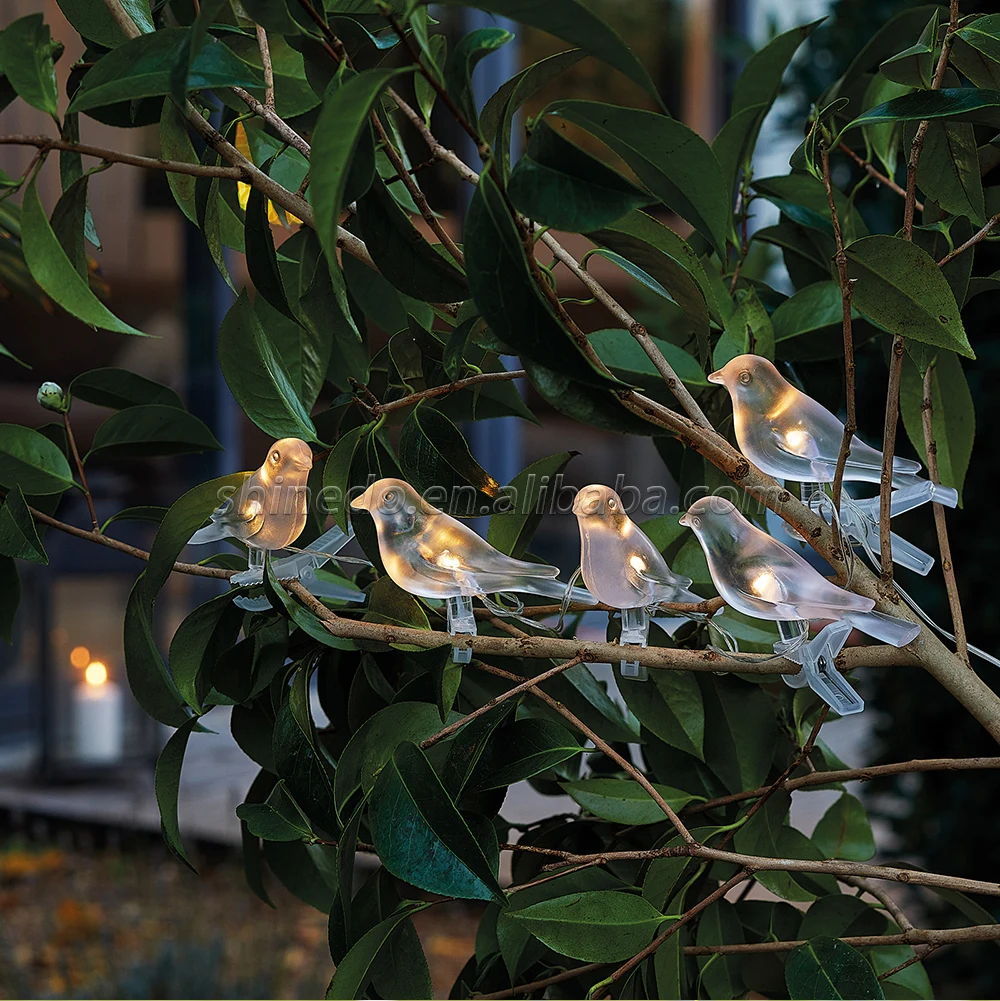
[79, 656]
[795, 439]
[449, 561]
[637, 563]
[766, 585]
[96, 673]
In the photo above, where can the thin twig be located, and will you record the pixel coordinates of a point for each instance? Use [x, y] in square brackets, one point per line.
[423, 165]
[601, 745]
[972, 241]
[883, 897]
[265, 59]
[503, 697]
[940, 523]
[74, 451]
[877, 175]
[285, 132]
[451, 387]
[537, 985]
[46, 143]
[919, 955]
[846, 294]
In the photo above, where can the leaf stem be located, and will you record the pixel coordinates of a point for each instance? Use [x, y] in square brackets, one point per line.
[75, 452]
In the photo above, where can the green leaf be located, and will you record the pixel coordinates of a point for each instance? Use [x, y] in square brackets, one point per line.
[624, 801]
[183, 62]
[914, 66]
[827, 968]
[844, 832]
[462, 60]
[152, 429]
[721, 976]
[10, 597]
[175, 144]
[94, 21]
[573, 22]
[976, 51]
[884, 138]
[18, 535]
[567, 924]
[406, 259]
[336, 137]
[811, 308]
[433, 453]
[167, 785]
[739, 732]
[558, 184]
[497, 117]
[521, 750]
[201, 638]
[802, 198]
[506, 294]
[55, 273]
[277, 819]
[467, 746]
[119, 388]
[511, 530]
[670, 159]
[26, 55]
[953, 416]
[141, 67]
[30, 460]
[262, 261]
[356, 968]
[669, 704]
[963, 104]
[748, 331]
[948, 172]
[257, 376]
[375, 741]
[419, 834]
[901, 289]
[840, 914]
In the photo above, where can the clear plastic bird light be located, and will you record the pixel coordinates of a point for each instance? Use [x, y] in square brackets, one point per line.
[432, 555]
[761, 577]
[622, 568]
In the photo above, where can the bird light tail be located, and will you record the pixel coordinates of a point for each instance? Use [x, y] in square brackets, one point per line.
[887, 628]
[210, 533]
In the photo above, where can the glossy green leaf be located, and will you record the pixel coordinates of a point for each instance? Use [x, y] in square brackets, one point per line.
[26, 55]
[511, 530]
[18, 535]
[802, 198]
[886, 137]
[119, 388]
[403, 256]
[419, 834]
[335, 139]
[573, 22]
[827, 968]
[914, 66]
[566, 924]
[844, 831]
[141, 67]
[95, 22]
[521, 750]
[720, 976]
[152, 429]
[557, 184]
[953, 416]
[30, 460]
[670, 159]
[55, 273]
[963, 104]
[355, 970]
[201, 638]
[262, 262]
[167, 782]
[980, 38]
[748, 331]
[840, 914]
[901, 289]
[948, 172]
[497, 117]
[624, 801]
[467, 746]
[811, 308]
[277, 819]
[739, 732]
[257, 376]
[434, 453]
[462, 60]
[670, 704]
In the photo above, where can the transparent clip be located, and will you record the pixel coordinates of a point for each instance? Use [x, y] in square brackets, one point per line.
[461, 621]
[817, 658]
[635, 632]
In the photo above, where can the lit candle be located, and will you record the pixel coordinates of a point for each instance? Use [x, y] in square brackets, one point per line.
[98, 719]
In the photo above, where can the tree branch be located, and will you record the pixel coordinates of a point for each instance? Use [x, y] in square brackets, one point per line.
[972, 241]
[265, 59]
[876, 174]
[74, 451]
[940, 523]
[451, 387]
[846, 294]
[883, 897]
[285, 132]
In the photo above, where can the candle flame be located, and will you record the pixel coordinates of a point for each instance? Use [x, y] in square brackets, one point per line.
[96, 673]
[79, 656]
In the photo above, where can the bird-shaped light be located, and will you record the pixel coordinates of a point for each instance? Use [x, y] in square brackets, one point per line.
[432, 555]
[268, 513]
[761, 577]
[622, 568]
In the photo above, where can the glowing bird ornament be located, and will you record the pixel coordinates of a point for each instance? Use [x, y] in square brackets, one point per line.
[268, 513]
[790, 436]
[622, 568]
[432, 555]
[761, 577]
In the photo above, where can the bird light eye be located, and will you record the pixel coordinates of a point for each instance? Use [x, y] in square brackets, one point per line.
[276, 456]
[612, 504]
[695, 521]
[390, 496]
[745, 377]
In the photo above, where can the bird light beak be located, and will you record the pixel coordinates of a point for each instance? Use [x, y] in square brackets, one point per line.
[717, 378]
[361, 503]
[683, 520]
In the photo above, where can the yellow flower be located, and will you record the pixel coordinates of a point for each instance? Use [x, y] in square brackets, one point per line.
[243, 190]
